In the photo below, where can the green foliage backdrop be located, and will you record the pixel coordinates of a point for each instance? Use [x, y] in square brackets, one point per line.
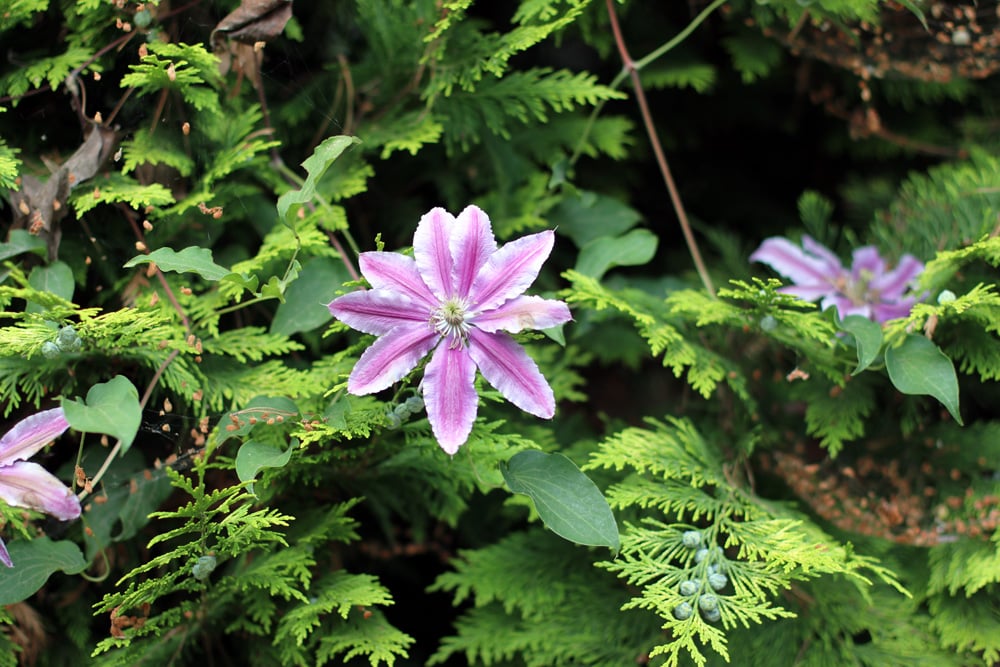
[185, 186]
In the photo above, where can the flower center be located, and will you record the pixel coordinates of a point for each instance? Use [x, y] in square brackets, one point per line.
[449, 320]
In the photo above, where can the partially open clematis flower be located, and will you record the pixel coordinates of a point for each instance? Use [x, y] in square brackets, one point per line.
[868, 289]
[26, 484]
[456, 296]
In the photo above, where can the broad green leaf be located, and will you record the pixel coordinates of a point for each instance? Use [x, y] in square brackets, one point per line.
[255, 455]
[189, 260]
[635, 248]
[111, 407]
[590, 216]
[257, 412]
[919, 367]
[305, 308]
[21, 241]
[867, 337]
[56, 278]
[34, 562]
[315, 166]
[568, 502]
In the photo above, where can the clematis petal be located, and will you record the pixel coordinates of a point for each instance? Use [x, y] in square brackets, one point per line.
[377, 311]
[867, 263]
[510, 270]
[26, 484]
[510, 370]
[831, 261]
[808, 292]
[471, 243]
[523, 312]
[397, 273]
[4, 556]
[883, 312]
[31, 434]
[390, 358]
[790, 261]
[892, 284]
[431, 251]
[450, 396]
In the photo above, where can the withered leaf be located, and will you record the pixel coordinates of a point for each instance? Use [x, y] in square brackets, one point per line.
[253, 21]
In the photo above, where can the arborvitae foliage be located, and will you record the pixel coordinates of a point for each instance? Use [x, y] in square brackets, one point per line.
[185, 189]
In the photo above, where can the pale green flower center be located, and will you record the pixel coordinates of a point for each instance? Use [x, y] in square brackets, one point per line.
[449, 320]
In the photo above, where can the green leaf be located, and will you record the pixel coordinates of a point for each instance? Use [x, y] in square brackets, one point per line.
[635, 248]
[867, 337]
[305, 308]
[315, 166]
[590, 216]
[34, 562]
[568, 502]
[56, 278]
[111, 407]
[919, 367]
[255, 455]
[189, 260]
[21, 241]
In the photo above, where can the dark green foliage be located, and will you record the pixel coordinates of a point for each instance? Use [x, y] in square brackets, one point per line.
[782, 499]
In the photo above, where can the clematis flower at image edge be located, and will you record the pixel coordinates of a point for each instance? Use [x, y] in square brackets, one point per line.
[458, 296]
[868, 289]
[26, 484]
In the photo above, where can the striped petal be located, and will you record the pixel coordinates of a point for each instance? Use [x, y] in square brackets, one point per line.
[4, 556]
[378, 311]
[892, 284]
[523, 312]
[432, 253]
[472, 243]
[390, 358]
[510, 270]
[31, 434]
[26, 484]
[790, 261]
[395, 272]
[450, 396]
[510, 370]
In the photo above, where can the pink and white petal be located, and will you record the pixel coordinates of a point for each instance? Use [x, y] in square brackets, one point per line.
[31, 434]
[892, 284]
[26, 484]
[867, 262]
[509, 369]
[397, 273]
[817, 249]
[450, 395]
[432, 253]
[471, 243]
[4, 556]
[391, 357]
[883, 312]
[808, 292]
[523, 312]
[378, 311]
[790, 261]
[510, 271]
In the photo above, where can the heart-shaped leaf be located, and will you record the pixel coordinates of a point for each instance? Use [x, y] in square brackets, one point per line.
[34, 562]
[315, 166]
[305, 308]
[189, 260]
[568, 502]
[867, 338]
[919, 367]
[634, 248]
[255, 455]
[111, 407]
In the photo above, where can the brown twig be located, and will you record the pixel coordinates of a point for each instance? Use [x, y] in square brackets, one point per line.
[661, 158]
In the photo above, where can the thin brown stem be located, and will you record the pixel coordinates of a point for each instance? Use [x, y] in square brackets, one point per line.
[661, 158]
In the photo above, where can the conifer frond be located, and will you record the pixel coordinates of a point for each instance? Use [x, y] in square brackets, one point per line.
[52, 70]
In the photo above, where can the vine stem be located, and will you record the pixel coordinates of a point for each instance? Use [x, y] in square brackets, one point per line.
[631, 67]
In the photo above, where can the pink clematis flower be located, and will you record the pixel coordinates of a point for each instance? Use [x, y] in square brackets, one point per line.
[456, 296]
[868, 289]
[25, 484]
